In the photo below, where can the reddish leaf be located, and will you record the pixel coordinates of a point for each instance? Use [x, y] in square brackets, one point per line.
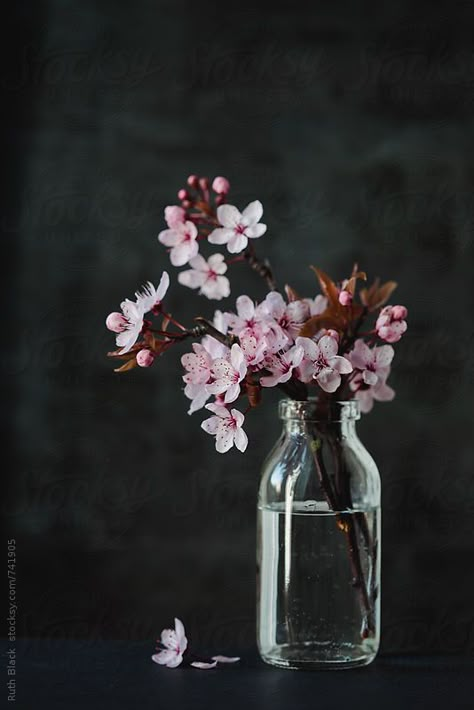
[377, 295]
[328, 287]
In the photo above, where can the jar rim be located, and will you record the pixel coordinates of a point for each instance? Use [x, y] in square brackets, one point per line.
[312, 410]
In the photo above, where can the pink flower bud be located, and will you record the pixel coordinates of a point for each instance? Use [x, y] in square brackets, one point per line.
[221, 185]
[220, 199]
[204, 183]
[174, 215]
[145, 358]
[116, 322]
[183, 194]
[332, 334]
[193, 181]
[345, 298]
[399, 312]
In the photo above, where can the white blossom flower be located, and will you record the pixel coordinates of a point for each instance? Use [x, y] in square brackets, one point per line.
[207, 276]
[226, 426]
[238, 227]
[227, 374]
[175, 644]
[322, 363]
[182, 239]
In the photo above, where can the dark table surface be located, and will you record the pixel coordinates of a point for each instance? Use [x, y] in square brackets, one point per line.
[119, 674]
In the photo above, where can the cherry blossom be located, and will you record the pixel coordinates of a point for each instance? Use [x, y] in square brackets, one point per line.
[226, 426]
[174, 644]
[248, 317]
[366, 395]
[182, 240]
[322, 363]
[281, 366]
[198, 365]
[207, 276]
[133, 314]
[289, 317]
[391, 323]
[374, 363]
[151, 297]
[238, 227]
[253, 347]
[173, 647]
[227, 374]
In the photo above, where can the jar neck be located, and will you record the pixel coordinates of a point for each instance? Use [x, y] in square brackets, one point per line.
[319, 418]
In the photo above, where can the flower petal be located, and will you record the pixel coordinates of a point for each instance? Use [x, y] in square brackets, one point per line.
[198, 262]
[228, 215]
[328, 346]
[340, 364]
[224, 437]
[203, 666]
[165, 657]
[219, 410]
[237, 243]
[221, 235]
[183, 252]
[328, 380]
[253, 212]
[369, 377]
[226, 659]
[169, 237]
[192, 278]
[240, 439]
[255, 231]
[210, 425]
[180, 635]
[384, 355]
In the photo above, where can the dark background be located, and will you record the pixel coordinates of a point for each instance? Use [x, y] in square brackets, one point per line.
[353, 124]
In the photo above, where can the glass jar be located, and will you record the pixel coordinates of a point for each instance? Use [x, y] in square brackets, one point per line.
[318, 541]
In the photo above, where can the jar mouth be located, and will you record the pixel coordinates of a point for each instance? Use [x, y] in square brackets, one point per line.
[314, 410]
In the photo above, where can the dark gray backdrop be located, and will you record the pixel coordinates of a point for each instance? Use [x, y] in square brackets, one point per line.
[354, 126]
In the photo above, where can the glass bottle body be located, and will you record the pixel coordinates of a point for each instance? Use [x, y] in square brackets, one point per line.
[318, 547]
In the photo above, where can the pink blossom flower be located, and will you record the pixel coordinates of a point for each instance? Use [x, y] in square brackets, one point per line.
[221, 185]
[289, 317]
[207, 276]
[145, 358]
[366, 395]
[174, 644]
[247, 318]
[198, 365]
[374, 363]
[227, 374]
[174, 215]
[238, 227]
[322, 363]
[133, 314]
[254, 348]
[151, 296]
[129, 324]
[226, 426]
[391, 323]
[182, 240]
[281, 366]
